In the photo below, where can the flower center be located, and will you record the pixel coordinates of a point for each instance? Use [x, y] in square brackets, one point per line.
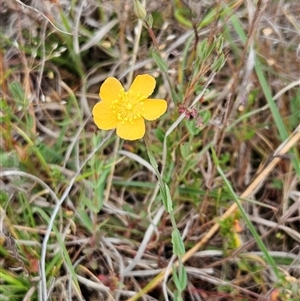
[128, 107]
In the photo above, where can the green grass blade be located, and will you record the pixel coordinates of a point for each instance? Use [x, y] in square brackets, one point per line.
[244, 214]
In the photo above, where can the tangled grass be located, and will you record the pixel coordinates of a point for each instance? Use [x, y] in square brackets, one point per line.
[84, 215]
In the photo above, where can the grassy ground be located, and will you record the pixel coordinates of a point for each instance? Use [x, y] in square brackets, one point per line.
[88, 216]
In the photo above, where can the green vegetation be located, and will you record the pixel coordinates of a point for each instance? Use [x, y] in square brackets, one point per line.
[205, 206]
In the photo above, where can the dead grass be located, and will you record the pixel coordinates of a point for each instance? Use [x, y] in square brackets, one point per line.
[81, 215]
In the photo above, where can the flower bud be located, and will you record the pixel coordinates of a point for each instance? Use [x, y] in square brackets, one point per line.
[139, 10]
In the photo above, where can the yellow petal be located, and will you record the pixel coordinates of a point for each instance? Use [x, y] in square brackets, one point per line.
[110, 89]
[103, 116]
[142, 87]
[133, 131]
[153, 108]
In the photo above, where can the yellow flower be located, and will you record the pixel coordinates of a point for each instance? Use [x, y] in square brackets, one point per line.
[126, 111]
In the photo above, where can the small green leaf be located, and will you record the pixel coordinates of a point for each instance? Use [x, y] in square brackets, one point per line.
[162, 65]
[204, 51]
[185, 150]
[206, 116]
[192, 127]
[86, 219]
[219, 44]
[177, 296]
[7, 112]
[152, 159]
[149, 20]
[218, 63]
[168, 203]
[160, 134]
[18, 94]
[182, 275]
[175, 277]
[178, 245]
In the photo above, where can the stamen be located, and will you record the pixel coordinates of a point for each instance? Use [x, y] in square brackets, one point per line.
[124, 110]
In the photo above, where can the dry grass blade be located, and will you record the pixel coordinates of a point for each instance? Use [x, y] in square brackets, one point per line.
[44, 16]
[84, 215]
[254, 186]
[97, 36]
